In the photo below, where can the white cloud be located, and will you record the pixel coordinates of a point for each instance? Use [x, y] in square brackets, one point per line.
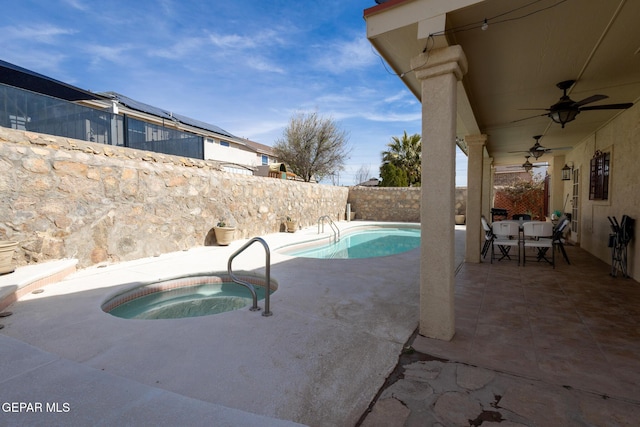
[232, 41]
[39, 33]
[399, 96]
[115, 54]
[77, 4]
[262, 64]
[344, 56]
[182, 48]
[394, 117]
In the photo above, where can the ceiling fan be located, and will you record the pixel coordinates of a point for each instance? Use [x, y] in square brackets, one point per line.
[527, 165]
[538, 150]
[566, 109]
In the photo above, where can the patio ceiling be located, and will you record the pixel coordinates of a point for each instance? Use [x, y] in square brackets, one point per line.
[515, 64]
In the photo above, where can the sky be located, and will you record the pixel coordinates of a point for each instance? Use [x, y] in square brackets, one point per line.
[246, 66]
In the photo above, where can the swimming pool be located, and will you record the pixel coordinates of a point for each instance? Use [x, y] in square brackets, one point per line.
[185, 297]
[361, 243]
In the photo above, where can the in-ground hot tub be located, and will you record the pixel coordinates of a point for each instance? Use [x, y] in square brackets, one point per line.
[189, 296]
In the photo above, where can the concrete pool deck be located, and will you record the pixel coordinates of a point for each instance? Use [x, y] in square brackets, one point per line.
[336, 331]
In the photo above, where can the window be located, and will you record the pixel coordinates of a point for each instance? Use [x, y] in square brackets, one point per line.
[224, 143]
[265, 160]
[599, 176]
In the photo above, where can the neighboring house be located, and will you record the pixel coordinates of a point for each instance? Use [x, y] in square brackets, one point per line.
[373, 182]
[235, 155]
[60, 109]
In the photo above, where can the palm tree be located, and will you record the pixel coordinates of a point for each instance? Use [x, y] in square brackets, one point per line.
[406, 153]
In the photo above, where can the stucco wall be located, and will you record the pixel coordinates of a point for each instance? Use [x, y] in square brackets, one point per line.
[621, 138]
[64, 198]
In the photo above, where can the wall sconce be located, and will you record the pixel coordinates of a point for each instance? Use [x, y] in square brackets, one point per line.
[566, 172]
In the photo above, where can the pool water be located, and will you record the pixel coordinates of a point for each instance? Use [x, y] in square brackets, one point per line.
[367, 243]
[188, 301]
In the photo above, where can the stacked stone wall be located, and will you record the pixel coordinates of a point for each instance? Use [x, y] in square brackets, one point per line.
[400, 204]
[65, 198]
[385, 203]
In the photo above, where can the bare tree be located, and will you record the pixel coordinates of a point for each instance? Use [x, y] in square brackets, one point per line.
[363, 174]
[312, 146]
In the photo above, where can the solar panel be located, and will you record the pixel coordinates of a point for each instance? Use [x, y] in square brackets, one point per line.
[159, 112]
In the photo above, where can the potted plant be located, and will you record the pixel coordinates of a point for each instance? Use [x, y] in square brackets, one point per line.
[224, 233]
[292, 225]
[7, 249]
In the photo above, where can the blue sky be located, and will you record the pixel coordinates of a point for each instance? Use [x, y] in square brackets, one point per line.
[244, 65]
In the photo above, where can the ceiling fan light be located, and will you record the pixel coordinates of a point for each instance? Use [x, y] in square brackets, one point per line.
[563, 116]
[537, 154]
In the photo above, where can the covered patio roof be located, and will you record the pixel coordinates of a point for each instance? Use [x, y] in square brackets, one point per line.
[515, 63]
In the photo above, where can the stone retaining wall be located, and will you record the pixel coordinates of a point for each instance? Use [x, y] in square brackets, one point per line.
[394, 203]
[65, 198]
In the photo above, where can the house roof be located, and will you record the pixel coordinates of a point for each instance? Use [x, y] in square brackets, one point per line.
[260, 148]
[23, 78]
[164, 114]
[16, 76]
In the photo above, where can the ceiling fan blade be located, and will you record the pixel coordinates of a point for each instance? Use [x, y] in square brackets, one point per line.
[608, 107]
[591, 99]
[532, 117]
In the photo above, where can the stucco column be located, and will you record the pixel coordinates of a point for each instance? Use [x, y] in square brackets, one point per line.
[475, 143]
[439, 72]
[487, 187]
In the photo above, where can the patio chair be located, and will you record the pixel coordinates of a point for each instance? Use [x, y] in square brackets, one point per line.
[618, 241]
[488, 236]
[539, 235]
[506, 235]
[557, 236]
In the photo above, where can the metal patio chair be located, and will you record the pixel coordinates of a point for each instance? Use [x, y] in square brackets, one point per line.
[488, 236]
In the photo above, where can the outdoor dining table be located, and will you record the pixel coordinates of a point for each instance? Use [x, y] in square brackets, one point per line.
[505, 250]
[521, 238]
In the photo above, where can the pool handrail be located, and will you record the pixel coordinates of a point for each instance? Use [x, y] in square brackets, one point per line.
[334, 227]
[267, 311]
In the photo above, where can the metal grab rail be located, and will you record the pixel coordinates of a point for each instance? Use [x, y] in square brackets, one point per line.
[252, 289]
[334, 227]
